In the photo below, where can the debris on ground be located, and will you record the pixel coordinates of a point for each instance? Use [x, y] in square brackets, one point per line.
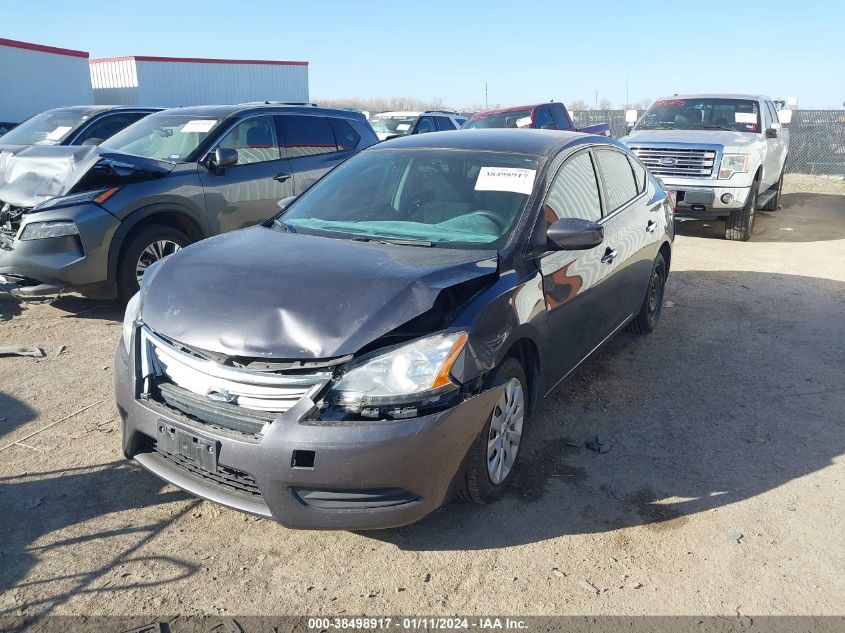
[736, 536]
[588, 586]
[557, 572]
[20, 350]
[33, 502]
[596, 444]
[61, 350]
[669, 304]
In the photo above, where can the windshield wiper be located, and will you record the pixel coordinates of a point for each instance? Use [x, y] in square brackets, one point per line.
[396, 242]
[709, 126]
[287, 228]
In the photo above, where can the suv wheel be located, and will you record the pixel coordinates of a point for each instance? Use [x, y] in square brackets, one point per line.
[774, 203]
[652, 305]
[740, 223]
[493, 456]
[144, 249]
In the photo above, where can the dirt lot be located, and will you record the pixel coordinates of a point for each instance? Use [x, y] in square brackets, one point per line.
[722, 493]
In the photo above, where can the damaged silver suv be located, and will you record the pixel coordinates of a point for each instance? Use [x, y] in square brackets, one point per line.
[92, 219]
[380, 345]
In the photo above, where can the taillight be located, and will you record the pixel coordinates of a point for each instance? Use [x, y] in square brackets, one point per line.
[673, 200]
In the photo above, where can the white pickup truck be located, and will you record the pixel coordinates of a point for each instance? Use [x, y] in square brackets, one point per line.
[721, 154]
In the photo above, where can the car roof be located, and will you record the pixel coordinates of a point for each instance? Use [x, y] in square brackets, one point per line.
[481, 115]
[719, 95]
[222, 111]
[519, 141]
[98, 109]
[408, 113]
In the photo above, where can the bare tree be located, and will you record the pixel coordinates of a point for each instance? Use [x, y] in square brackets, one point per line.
[578, 104]
[605, 104]
[375, 105]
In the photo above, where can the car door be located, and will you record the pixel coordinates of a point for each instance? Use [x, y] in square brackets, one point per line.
[309, 145]
[248, 192]
[770, 158]
[574, 282]
[425, 124]
[632, 230]
[445, 124]
[775, 146]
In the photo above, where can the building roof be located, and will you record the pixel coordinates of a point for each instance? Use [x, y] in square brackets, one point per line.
[197, 60]
[42, 49]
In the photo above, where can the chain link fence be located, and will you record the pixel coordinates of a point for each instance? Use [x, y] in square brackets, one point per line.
[816, 138]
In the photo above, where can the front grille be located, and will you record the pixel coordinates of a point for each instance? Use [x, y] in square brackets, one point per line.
[244, 400]
[674, 161]
[229, 478]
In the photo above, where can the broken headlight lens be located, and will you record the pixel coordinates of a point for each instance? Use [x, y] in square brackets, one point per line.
[405, 374]
[43, 230]
[733, 164]
[130, 317]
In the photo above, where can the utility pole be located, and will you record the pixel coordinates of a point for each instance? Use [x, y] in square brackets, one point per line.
[597, 99]
[486, 105]
[627, 94]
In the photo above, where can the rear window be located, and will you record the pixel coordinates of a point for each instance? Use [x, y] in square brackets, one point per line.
[501, 119]
[345, 135]
[305, 135]
[618, 178]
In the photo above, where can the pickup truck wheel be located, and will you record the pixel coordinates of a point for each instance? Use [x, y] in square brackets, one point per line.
[740, 223]
[652, 307]
[774, 203]
[493, 456]
[151, 244]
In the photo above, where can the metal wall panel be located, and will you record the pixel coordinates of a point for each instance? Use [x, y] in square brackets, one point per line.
[115, 82]
[32, 81]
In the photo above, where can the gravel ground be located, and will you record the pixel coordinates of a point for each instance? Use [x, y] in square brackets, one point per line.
[721, 494]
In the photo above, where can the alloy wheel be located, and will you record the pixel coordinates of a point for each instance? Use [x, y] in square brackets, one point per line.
[154, 252]
[505, 431]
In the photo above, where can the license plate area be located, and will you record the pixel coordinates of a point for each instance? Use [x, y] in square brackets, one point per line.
[201, 451]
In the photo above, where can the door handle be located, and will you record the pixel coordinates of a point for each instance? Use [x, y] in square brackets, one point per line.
[281, 177]
[651, 227]
[609, 256]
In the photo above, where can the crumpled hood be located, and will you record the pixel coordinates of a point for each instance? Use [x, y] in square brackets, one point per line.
[30, 174]
[263, 293]
[729, 139]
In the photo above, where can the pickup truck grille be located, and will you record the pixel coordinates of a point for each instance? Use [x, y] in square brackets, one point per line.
[682, 162]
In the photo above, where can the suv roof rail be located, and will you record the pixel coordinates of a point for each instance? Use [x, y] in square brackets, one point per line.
[441, 112]
[290, 103]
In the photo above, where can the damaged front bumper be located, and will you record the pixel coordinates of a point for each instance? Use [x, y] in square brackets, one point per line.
[301, 472]
[43, 268]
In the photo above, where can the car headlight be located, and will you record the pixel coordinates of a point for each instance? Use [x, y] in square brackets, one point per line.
[130, 318]
[98, 195]
[43, 230]
[409, 373]
[733, 164]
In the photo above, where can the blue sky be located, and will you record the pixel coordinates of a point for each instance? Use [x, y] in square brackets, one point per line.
[526, 51]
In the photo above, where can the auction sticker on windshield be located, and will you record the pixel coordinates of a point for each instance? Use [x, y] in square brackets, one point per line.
[513, 179]
[199, 125]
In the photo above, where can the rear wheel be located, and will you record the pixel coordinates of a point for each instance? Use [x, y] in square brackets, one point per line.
[652, 306]
[774, 203]
[740, 223]
[151, 244]
[494, 454]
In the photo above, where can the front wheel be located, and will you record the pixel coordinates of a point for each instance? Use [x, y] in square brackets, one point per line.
[493, 456]
[649, 314]
[740, 223]
[151, 244]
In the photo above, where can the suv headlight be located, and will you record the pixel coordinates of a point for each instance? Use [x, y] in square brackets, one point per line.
[130, 318]
[407, 374]
[733, 164]
[98, 195]
[43, 230]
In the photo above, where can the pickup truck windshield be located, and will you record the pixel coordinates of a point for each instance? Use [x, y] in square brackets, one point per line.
[449, 197]
[739, 115]
[499, 119]
[47, 128]
[170, 137]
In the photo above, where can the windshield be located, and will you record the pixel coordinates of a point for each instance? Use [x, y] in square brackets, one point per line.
[171, 137]
[399, 125]
[517, 118]
[436, 196]
[48, 128]
[739, 115]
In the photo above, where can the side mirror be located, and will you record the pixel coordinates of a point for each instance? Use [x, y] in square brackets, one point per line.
[574, 234]
[284, 203]
[772, 132]
[221, 159]
[785, 116]
[631, 117]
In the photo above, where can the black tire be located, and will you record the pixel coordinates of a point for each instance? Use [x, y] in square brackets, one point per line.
[652, 307]
[740, 223]
[478, 487]
[774, 203]
[127, 281]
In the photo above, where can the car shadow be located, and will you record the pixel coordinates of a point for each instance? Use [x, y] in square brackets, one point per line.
[9, 307]
[48, 502]
[72, 305]
[13, 414]
[721, 403]
[803, 217]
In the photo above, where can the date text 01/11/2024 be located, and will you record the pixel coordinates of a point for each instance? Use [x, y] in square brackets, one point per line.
[415, 623]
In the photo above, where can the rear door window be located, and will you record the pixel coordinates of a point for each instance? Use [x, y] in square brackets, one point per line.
[425, 124]
[304, 135]
[617, 177]
[444, 124]
[639, 174]
[254, 139]
[574, 192]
